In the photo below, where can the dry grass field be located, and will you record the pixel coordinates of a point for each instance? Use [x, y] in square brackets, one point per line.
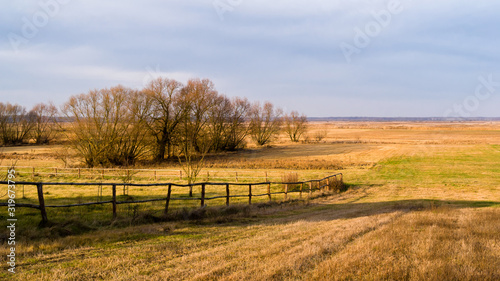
[423, 204]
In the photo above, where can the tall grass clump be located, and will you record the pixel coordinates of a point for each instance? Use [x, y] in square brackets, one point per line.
[290, 178]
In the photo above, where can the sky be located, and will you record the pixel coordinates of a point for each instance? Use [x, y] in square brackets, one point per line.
[345, 58]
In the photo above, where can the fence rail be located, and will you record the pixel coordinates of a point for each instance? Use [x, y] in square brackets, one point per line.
[330, 182]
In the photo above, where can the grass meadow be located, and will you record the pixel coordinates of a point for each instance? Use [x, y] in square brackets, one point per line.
[423, 204]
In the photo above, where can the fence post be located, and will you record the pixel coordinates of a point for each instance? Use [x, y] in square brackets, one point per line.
[202, 195]
[168, 198]
[269, 191]
[286, 191]
[300, 193]
[266, 176]
[99, 192]
[180, 174]
[328, 183]
[55, 170]
[41, 203]
[227, 194]
[155, 176]
[78, 172]
[236, 176]
[102, 174]
[33, 173]
[114, 201]
[249, 194]
[310, 189]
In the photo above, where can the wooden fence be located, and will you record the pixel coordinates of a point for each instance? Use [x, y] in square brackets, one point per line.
[328, 183]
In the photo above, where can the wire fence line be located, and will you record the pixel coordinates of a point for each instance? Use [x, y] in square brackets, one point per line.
[148, 174]
[332, 182]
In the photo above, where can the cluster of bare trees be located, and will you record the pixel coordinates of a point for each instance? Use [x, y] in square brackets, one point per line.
[167, 119]
[295, 125]
[19, 126]
[107, 125]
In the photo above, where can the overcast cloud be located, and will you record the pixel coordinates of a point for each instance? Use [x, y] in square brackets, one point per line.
[425, 60]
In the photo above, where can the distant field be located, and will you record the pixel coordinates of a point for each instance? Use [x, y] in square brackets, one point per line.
[348, 142]
[423, 204]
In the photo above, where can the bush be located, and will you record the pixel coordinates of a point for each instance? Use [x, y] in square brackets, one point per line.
[291, 177]
[337, 184]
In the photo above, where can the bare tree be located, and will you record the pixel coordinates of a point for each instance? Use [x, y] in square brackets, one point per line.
[45, 116]
[227, 126]
[265, 122]
[217, 126]
[190, 157]
[135, 145]
[198, 98]
[320, 134]
[237, 126]
[15, 124]
[4, 122]
[107, 126]
[166, 114]
[294, 125]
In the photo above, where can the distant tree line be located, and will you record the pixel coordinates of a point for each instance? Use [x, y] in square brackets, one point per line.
[19, 126]
[166, 119]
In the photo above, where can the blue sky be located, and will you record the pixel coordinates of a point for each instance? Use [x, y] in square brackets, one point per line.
[403, 58]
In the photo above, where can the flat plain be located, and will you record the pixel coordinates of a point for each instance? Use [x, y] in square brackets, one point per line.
[422, 204]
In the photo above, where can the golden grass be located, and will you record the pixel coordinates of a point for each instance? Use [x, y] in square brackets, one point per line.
[437, 244]
[331, 239]
[423, 205]
[346, 144]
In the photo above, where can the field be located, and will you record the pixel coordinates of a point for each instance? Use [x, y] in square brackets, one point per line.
[423, 204]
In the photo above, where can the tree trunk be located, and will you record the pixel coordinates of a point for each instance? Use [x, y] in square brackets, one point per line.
[169, 149]
[160, 152]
